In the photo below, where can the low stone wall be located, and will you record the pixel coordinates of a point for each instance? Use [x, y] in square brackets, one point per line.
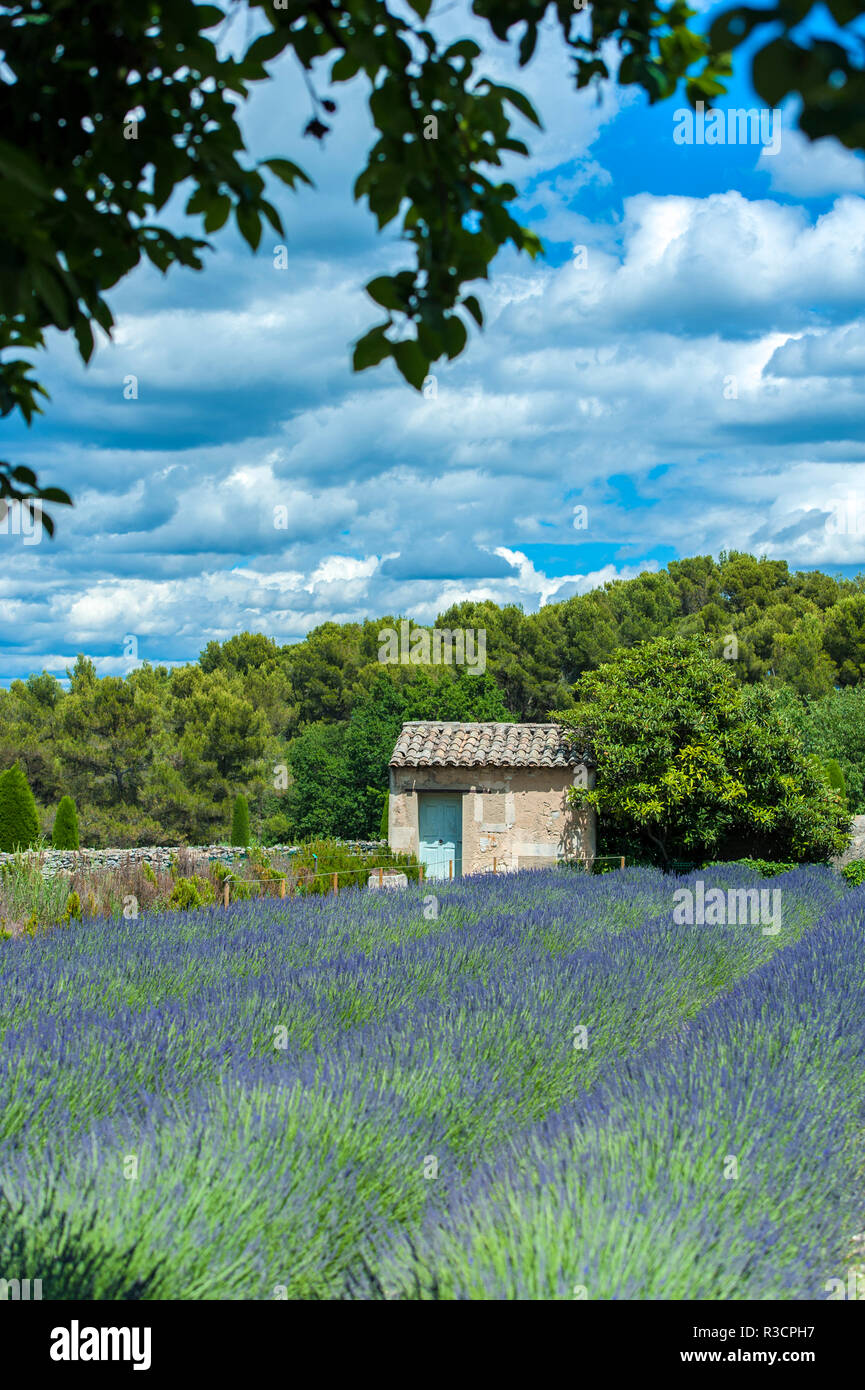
[856, 847]
[54, 861]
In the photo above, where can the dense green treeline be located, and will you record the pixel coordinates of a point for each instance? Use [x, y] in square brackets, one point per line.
[304, 730]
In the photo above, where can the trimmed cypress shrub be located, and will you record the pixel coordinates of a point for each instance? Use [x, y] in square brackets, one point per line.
[835, 777]
[382, 830]
[19, 823]
[65, 832]
[240, 822]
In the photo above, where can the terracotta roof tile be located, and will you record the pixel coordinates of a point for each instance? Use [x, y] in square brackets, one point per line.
[422, 743]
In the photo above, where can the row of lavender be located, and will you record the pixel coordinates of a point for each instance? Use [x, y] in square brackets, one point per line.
[535, 1086]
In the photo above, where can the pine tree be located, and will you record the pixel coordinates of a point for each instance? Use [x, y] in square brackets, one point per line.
[240, 822]
[19, 823]
[65, 833]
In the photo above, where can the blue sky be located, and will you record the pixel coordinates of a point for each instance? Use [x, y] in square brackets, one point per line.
[695, 378]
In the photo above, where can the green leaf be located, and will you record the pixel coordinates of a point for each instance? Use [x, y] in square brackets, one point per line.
[22, 170]
[517, 146]
[272, 216]
[470, 302]
[157, 253]
[53, 295]
[455, 336]
[707, 85]
[345, 68]
[372, 348]
[103, 315]
[383, 290]
[411, 361]
[217, 213]
[84, 337]
[521, 102]
[775, 70]
[430, 340]
[268, 46]
[732, 27]
[463, 48]
[56, 494]
[844, 11]
[527, 44]
[289, 172]
[248, 224]
[163, 184]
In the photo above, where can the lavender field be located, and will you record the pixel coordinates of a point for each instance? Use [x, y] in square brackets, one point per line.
[538, 1086]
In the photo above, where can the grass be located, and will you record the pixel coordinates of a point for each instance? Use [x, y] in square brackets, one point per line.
[32, 901]
[378, 1095]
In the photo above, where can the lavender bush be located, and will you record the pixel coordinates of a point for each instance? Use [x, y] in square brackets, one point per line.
[511, 1087]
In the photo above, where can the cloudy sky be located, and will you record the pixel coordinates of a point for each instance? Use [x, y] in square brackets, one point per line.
[687, 364]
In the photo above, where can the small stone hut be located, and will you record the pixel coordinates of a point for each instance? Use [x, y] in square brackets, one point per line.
[466, 798]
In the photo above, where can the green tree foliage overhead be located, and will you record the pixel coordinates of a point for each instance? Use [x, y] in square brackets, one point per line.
[65, 832]
[240, 822]
[109, 108]
[19, 823]
[688, 770]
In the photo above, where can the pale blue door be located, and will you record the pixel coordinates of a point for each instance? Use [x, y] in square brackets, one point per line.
[440, 832]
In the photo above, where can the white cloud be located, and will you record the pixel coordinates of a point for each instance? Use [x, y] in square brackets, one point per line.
[699, 385]
[813, 168]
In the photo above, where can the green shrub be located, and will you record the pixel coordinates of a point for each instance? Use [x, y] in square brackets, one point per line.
[835, 778]
[766, 868]
[241, 890]
[19, 823]
[65, 832]
[72, 909]
[382, 830]
[148, 873]
[854, 872]
[189, 893]
[318, 860]
[206, 890]
[240, 822]
[276, 830]
[689, 769]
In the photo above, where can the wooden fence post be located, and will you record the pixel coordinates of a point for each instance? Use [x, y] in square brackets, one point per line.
[336, 883]
[420, 873]
[494, 863]
[282, 887]
[380, 877]
[623, 861]
[450, 868]
[226, 894]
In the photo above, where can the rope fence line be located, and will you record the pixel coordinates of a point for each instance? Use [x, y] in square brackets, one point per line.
[287, 887]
